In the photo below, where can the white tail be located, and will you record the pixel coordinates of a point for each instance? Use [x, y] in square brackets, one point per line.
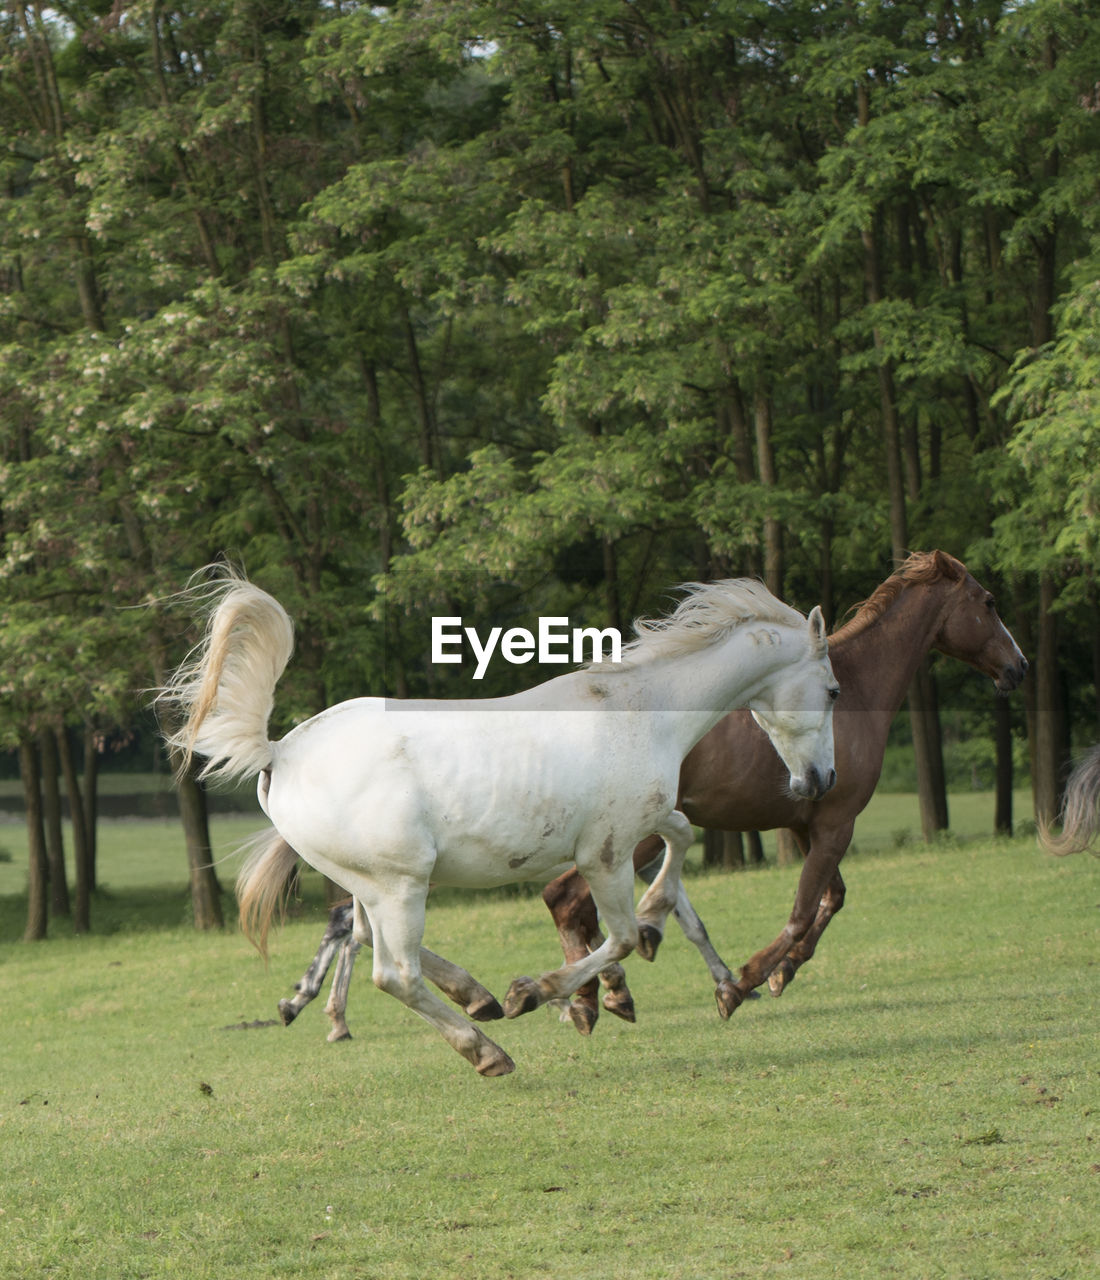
[225, 689]
[1080, 809]
[262, 885]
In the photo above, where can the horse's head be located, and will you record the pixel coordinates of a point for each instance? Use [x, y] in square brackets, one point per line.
[972, 631]
[795, 710]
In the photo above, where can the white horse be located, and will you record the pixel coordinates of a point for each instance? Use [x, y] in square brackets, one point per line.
[385, 796]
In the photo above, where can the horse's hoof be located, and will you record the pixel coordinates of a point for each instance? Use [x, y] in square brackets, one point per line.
[523, 996]
[621, 1004]
[728, 998]
[287, 1012]
[337, 1034]
[485, 1010]
[499, 1064]
[781, 977]
[583, 1017]
[649, 939]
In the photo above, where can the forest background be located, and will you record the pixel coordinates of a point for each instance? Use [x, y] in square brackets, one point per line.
[509, 310]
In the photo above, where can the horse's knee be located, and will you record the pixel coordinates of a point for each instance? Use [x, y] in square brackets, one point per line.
[397, 981]
[797, 927]
[621, 943]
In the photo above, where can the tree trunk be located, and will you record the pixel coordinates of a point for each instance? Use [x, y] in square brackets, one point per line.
[787, 852]
[81, 864]
[1002, 740]
[1051, 748]
[612, 599]
[902, 466]
[393, 664]
[732, 410]
[773, 526]
[1094, 611]
[205, 890]
[724, 850]
[1025, 637]
[37, 889]
[1051, 753]
[90, 792]
[923, 709]
[429, 439]
[754, 849]
[924, 718]
[51, 820]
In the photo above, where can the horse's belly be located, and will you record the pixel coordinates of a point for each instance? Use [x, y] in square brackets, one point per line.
[463, 868]
[499, 846]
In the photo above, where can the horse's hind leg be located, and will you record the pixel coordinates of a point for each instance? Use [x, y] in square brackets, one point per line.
[831, 902]
[612, 889]
[570, 903]
[395, 915]
[337, 1005]
[616, 994]
[663, 894]
[479, 1003]
[459, 986]
[309, 985]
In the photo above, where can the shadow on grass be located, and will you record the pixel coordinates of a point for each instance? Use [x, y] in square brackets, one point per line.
[148, 909]
[141, 910]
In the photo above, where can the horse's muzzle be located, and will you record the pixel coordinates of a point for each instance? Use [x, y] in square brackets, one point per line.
[813, 785]
[1012, 673]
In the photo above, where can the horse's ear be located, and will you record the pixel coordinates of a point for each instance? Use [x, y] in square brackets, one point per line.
[819, 641]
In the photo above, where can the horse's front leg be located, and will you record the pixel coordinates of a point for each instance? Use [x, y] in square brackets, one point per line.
[309, 985]
[696, 933]
[832, 900]
[817, 871]
[612, 889]
[663, 893]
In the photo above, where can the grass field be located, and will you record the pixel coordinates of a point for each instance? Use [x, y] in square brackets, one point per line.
[140, 854]
[924, 1101]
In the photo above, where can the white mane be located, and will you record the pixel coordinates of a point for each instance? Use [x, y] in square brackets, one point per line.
[706, 616]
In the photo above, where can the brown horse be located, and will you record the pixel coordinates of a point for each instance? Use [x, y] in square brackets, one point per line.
[733, 781]
[1080, 814]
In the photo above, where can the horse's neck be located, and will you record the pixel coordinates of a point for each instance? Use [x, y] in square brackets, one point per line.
[702, 687]
[876, 664]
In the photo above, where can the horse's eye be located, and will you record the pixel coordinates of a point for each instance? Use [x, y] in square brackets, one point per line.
[990, 603]
[834, 693]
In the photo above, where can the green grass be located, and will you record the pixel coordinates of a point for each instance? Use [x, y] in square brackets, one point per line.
[137, 854]
[922, 1103]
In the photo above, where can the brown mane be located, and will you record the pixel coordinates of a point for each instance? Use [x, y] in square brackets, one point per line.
[919, 568]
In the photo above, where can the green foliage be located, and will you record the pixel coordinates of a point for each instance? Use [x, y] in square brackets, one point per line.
[373, 296]
[1051, 459]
